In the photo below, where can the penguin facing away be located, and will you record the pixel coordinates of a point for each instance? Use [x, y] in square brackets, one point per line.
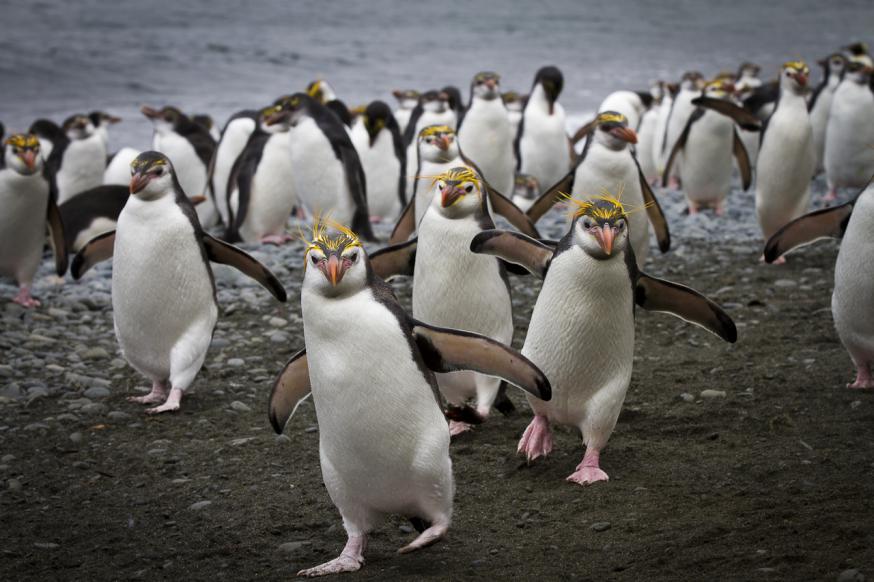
[367, 361]
[163, 291]
[581, 332]
[27, 207]
[380, 146]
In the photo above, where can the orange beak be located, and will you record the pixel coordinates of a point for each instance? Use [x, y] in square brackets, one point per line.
[605, 239]
[149, 112]
[138, 182]
[801, 78]
[443, 143]
[449, 196]
[625, 134]
[29, 159]
[334, 271]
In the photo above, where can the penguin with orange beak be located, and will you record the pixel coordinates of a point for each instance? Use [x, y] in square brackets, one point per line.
[608, 162]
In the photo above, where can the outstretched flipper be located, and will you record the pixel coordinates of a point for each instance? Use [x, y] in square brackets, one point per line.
[825, 223]
[658, 295]
[584, 131]
[406, 224]
[450, 350]
[741, 116]
[221, 252]
[552, 196]
[394, 260]
[291, 387]
[743, 161]
[654, 212]
[515, 248]
[56, 228]
[99, 248]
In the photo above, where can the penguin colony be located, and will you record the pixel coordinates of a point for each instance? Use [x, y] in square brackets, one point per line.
[441, 172]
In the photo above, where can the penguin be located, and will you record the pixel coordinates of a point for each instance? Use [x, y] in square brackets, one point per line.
[542, 147]
[660, 149]
[380, 145]
[27, 207]
[117, 171]
[163, 291]
[708, 143]
[853, 224]
[235, 135]
[190, 147]
[514, 104]
[383, 441]
[849, 136]
[581, 333]
[456, 103]
[821, 101]
[261, 192]
[50, 135]
[608, 162]
[647, 131]
[322, 92]
[101, 122]
[407, 101]
[485, 134]
[92, 213]
[78, 162]
[206, 121]
[631, 104]
[444, 270]
[328, 176]
[690, 87]
[747, 79]
[858, 53]
[787, 159]
[433, 109]
[525, 191]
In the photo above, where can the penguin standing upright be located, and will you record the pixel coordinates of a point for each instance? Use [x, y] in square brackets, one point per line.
[542, 146]
[787, 159]
[101, 121]
[407, 101]
[117, 171]
[379, 143]
[78, 163]
[235, 135]
[681, 109]
[647, 131]
[631, 104]
[27, 207]
[514, 104]
[581, 332]
[849, 136]
[383, 442]
[485, 135]
[433, 109]
[163, 291]
[190, 147]
[821, 101]
[328, 177]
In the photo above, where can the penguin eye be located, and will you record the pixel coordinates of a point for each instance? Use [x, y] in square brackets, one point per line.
[441, 185]
[620, 224]
[314, 259]
[429, 139]
[353, 256]
[587, 222]
[469, 189]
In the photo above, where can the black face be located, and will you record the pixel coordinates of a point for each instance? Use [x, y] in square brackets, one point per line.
[290, 109]
[858, 48]
[376, 117]
[552, 81]
[99, 118]
[453, 97]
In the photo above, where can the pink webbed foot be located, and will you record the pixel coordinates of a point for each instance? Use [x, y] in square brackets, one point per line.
[170, 405]
[276, 239]
[588, 471]
[158, 394]
[781, 260]
[430, 536]
[350, 560]
[537, 439]
[863, 378]
[719, 209]
[24, 298]
[458, 427]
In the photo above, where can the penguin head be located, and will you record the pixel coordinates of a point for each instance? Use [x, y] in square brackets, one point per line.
[857, 49]
[551, 81]
[512, 101]
[21, 153]
[78, 127]
[794, 76]
[164, 119]
[453, 97]
[486, 85]
[692, 81]
[748, 70]
[204, 120]
[290, 110]
[612, 131]
[657, 90]
[376, 118]
[335, 265]
[407, 99]
[102, 118]
[600, 226]
[834, 64]
[321, 91]
[526, 186]
[859, 73]
[435, 101]
[265, 113]
[457, 193]
[719, 88]
[152, 176]
[437, 144]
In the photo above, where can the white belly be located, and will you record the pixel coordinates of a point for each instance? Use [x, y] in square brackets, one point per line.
[679, 115]
[22, 224]
[230, 147]
[382, 169]
[118, 170]
[646, 143]
[486, 138]
[624, 102]
[544, 146]
[272, 194]
[319, 176]
[849, 155]
[708, 159]
[190, 171]
[81, 167]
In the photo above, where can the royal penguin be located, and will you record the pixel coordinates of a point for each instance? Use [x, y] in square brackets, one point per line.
[661, 150]
[163, 290]
[690, 87]
[747, 79]
[92, 213]
[631, 104]
[50, 135]
[205, 120]
[849, 136]
[787, 160]
[234, 137]
[646, 133]
[101, 121]
[380, 145]
[608, 162]
[485, 133]
[383, 439]
[78, 162]
[514, 104]
[433, 109]
[525, 191]
[27, 208]
[407, 101]
[857, 52]
[190, 147]
[821, 101]
[542, 147]
[581, 332]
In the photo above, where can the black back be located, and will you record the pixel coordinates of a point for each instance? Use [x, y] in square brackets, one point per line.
[242, 174]
[78, 212]
[380, 110]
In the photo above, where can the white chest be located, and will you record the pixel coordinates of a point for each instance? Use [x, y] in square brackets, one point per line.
[81, 166]
[190, 171]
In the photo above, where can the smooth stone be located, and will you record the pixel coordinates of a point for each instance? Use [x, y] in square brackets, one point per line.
[711, 394]
[601, 526]
[36, 426]
[94, 354]
[283, 439]
[785, 283]
[291, 547]
[851, 575]
[76, 437]
[117, 415]
[93, 408]
[236, 362]
[14, 484]
[96, 392]
[7, 458]
[219, 342]
[277, 322]
[67, 417]
[278, 338]
[686, 397]
[199, 505]
[240, 406]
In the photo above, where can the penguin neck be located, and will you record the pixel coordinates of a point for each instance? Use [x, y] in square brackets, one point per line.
[833, 80]
[540, 101]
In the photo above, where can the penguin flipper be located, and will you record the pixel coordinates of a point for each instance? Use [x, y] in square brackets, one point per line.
[95, 250]
[394, 260]
[222, 252]
[549, 198]
[56, 229]
[450, 350]
[291, 387]
[654, 212]
[743, 161]
[584, 131]
[741, 116]
[406, 224]
[680, 144]
[826, 223]
[658, 295]
[515, 248]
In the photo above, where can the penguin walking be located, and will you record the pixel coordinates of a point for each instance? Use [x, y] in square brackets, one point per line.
[190, 147]
[821, 101]
[235, 135]
[407, 101]
[849, 137]
[27, 207]
[542, 147]
[328, 176]
[608, 162]
[383, 441]
[79, 161]
[581, 332]
[485, 135]
[453, 287]
[163, 291]
[787, 159]
[380, 145]
[681, 108]
[853, 224]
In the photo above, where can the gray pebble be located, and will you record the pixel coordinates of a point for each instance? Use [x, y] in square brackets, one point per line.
[76, 437]
[7, 458]
[240, 406]
[93, 408]
[219, 342]
[686, 397]
[601, 526]
[278, 322]
[711, 394]
[97, 353]
[291, 547]
[36, 426]
[97, 392]
[199, 505]
[14, 484]
[236, 362]
[117, 415]
[785, 283]
[282, 439]
[278, 338]
[851, 575]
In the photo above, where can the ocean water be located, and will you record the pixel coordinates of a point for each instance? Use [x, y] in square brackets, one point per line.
[219, 56]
